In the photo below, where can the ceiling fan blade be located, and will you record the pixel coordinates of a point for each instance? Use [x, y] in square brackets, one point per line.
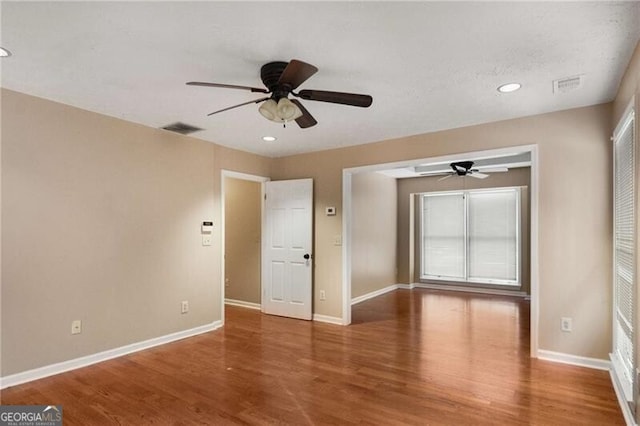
[227, 86]
[495, 170]
[445, 177]
[296, 73]
[431, 174]
[478, 175]
[256, 101]
[353, 99]
[306, 120]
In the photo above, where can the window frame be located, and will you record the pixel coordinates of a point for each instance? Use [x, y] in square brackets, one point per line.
[624, 370]
[502, 283]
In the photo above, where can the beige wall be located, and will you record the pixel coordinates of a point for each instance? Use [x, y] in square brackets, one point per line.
[374, 213]
[574, 217]
[101, 222]
[407, 187]
[243, 227]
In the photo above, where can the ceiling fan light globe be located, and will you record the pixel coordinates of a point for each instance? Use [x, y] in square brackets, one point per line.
[269, 110]
[286, 109]
[298, 113]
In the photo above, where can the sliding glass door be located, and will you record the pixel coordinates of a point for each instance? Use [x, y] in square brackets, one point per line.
[493, 236]
[472, 236]
[444, 236]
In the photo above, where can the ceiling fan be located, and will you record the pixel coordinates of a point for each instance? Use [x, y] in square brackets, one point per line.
[281, 79]
[464, 168]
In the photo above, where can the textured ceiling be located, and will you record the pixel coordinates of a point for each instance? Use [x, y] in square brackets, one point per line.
[429, 66]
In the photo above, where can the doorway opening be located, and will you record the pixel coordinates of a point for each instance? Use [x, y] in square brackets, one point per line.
[351, 179]
[242, 223]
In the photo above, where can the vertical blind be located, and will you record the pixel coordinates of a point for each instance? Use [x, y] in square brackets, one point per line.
[471, 236]
[624, 251]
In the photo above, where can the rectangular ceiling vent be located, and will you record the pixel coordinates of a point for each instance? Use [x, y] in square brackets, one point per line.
[182, 128]
[568, 84]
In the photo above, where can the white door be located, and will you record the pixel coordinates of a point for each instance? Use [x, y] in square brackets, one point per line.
[287, 256]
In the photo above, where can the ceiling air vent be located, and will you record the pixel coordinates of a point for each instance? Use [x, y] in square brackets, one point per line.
[568, 84]
[182, 128]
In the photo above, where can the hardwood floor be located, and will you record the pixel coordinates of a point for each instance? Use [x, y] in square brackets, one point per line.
[411, 357]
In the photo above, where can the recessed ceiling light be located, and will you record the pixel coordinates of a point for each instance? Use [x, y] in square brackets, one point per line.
[4, 52]
[269, 138]
[509, 87]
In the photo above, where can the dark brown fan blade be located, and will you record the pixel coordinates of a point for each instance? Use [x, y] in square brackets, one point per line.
[306, 120]
[227, 86]
[353, 99]
[296, 73]
[257, 101]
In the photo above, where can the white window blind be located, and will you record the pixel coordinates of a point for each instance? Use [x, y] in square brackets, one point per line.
[624, 252]
[493, 235]
[443, 236]
[472, 236]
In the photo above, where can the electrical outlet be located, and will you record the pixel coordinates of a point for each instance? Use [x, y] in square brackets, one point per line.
[337, 240]
[226, 282]
[206, 239]
[566, 324]
[76, 327]
[184, 307]
[323, 295]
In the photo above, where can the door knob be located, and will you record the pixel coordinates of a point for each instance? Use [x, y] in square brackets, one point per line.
[307, 256]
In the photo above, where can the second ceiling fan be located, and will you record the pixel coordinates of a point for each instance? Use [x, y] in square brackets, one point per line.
[465, 168]
[281, 79]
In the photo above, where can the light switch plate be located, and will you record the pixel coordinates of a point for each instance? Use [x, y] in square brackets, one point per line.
[76, 327]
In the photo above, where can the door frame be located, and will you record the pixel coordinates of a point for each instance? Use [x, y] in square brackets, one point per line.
[242, 176]
[347, 175]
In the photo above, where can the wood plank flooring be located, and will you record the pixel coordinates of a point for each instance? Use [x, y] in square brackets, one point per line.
[413, 357]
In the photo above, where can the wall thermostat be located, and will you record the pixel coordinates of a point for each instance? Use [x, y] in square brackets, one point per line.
[331, 211]
[207, 227]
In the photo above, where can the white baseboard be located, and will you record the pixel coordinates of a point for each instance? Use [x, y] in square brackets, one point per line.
[598, 364]
[72, 364]
[373, 294]
[494, 291]
[624, 406]
[243, 304]
[327, 319]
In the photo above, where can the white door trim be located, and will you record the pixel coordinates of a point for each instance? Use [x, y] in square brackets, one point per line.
[346, 224]
[243, 176]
